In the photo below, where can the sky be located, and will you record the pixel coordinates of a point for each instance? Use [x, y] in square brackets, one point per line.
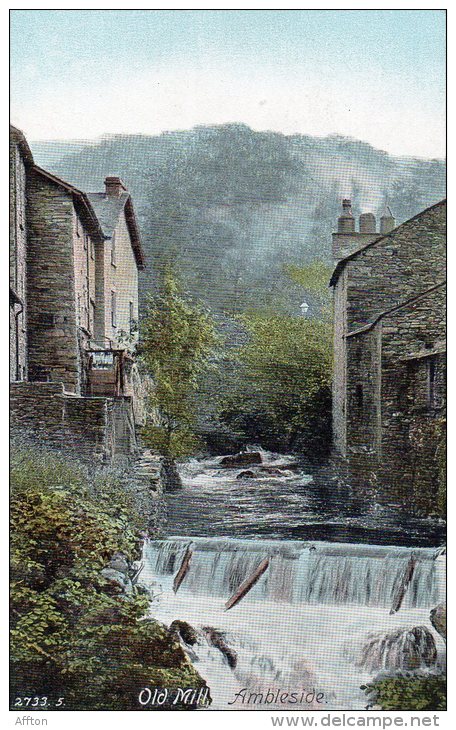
[376, 75]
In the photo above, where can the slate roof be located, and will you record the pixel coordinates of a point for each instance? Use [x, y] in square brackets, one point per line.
[396, 307]
[80, 199]
[108, 210]
[18, 138]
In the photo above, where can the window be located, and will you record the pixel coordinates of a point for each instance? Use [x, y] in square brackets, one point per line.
[46, 319]
[359, 397]
[85, 238]
[431, 381]
[113, 309]
[131, 317]
[113, 249]
[92, 249]
[92, 316]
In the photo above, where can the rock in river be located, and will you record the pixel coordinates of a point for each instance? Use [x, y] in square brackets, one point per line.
[438, 619]
[403, 648]
[244, 458]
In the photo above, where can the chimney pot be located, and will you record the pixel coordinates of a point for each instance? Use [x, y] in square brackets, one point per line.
[387, 222]
[367, 223]
[346, 222]
[114, 186]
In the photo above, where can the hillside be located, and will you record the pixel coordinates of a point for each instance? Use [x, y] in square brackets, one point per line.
[230, 206]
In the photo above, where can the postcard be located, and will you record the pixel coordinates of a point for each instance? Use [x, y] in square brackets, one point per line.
[228, 362]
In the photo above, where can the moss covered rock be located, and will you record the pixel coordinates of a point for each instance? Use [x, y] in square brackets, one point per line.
[439, 619]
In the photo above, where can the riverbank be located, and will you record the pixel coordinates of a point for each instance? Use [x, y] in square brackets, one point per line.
[81, 636]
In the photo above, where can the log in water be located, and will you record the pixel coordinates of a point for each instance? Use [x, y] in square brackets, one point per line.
[247, 585]
[183, 570]
[404, 584]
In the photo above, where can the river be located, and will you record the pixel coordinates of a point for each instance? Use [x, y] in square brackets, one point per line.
[312, 629]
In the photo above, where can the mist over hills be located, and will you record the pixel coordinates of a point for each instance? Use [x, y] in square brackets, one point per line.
[229, 206]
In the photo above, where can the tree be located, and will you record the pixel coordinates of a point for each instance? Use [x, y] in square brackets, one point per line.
[314, 278]
[282, 397]
[178, 342]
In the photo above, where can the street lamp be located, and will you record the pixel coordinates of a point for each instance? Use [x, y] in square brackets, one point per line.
[304, 309]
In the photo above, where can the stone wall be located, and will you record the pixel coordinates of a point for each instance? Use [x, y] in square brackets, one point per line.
[396, 400]
[94, 430]
[399, 266]
[374, 329]
[84, 275]
[17, 261]
[339, 384]
[120, 277]
[52, 325]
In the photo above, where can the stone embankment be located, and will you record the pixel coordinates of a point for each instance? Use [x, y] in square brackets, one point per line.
[146, 480]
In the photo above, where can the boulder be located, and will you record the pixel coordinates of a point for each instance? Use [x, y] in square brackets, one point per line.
[247, 474]
[274, 471]
[186, 632]
[244, 458]
[438, 619]
[170, 476]
[278, 469]
[118, 579]
[119, 562]
[401, 649]
[217, 639]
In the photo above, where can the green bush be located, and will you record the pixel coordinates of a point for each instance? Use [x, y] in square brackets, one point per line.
[73, 635]
[280, 394]
[408, 693]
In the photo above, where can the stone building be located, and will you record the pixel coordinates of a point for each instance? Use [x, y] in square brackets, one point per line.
[389, 391]
[74, 304]
[21, 160]
[63, 239]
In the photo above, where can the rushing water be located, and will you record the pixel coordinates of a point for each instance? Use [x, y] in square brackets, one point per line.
[290, 505]
[317, 623]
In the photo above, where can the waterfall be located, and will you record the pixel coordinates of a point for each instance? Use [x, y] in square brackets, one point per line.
[299, 573]
[316, 624]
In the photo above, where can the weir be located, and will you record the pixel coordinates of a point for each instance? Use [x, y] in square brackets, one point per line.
[300, 572]
[317, 622]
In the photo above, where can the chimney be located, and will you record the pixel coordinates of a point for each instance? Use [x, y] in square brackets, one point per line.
[346, 222]
[347, 239]
[367, 223]
[387, 222]
[114, 187]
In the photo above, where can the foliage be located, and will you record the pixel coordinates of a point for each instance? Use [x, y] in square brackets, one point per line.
[228, 206]
[73, 635]
[177, 346]
[282, 395]
[314, 278]
[408, 692]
